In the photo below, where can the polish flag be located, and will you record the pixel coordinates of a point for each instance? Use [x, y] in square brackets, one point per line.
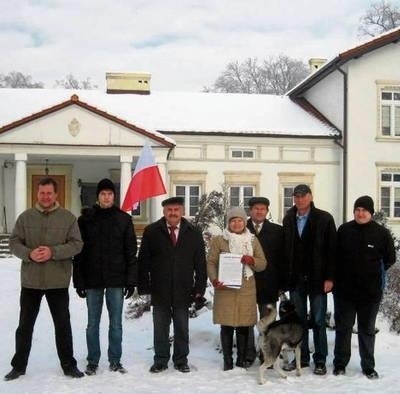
[146, 181]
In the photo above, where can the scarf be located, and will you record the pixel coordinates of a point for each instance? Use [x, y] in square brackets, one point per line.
[240, 244]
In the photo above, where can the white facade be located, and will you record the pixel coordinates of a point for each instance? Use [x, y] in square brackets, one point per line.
[248, 144]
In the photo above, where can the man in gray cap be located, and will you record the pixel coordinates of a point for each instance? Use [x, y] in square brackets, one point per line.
[310, 247]
[172, 269]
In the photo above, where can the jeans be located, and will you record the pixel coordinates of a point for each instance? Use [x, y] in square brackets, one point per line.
[318, 305]
[114, 301]
[162, 316]
[58, 301]
[345, 315]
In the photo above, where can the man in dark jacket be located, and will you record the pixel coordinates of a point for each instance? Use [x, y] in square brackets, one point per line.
[172, 269]
[106, 267]
[269, 281]
[365, 252]
[310, 246]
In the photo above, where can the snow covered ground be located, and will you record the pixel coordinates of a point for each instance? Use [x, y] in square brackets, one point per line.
[44, 374]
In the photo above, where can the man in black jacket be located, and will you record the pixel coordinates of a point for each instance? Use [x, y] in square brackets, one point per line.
[106, 267]
[365, 252]
[310, 246]
[172, 269]
[269, 281]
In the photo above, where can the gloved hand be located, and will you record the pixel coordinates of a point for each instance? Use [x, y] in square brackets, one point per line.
[128, 291]
[217, 284]
[81, 292]
[248, 260]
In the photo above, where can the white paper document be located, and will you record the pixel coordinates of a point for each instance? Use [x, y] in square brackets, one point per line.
[230, 270]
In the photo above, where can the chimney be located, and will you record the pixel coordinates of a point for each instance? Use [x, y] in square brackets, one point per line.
[128, 83]
[316, 63]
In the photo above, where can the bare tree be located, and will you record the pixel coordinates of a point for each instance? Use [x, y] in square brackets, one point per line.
[379, 17]
[70, 82]
[275, 75]
[16, 79]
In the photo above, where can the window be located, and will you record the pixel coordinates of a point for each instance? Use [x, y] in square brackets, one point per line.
[242, 154]
[287, 182]
[390, 193]
[191, 194]
[390, 113]
[287, 198]
[239, 196]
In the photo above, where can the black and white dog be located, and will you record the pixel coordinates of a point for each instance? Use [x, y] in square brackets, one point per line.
[279, 335]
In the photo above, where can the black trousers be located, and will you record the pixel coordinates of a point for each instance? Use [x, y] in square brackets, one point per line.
[345, 314]
[58, 301]
[162, 316]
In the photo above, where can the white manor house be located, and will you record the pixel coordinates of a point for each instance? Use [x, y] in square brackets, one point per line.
[337, 131]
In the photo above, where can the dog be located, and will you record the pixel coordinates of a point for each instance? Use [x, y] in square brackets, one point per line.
[278, 336]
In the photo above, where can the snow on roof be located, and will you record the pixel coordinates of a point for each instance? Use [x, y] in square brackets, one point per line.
[173, 112]
[348, 54]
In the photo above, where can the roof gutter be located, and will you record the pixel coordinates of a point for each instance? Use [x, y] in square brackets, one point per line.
[343, 145]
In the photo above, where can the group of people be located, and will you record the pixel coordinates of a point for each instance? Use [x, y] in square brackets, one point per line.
[305, 256]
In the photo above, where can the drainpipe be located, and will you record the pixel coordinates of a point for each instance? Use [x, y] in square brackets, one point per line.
[344, 145]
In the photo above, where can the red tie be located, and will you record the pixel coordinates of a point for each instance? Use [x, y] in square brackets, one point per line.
[172, 234]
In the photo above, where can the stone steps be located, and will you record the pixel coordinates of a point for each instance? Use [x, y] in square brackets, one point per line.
[4, 248]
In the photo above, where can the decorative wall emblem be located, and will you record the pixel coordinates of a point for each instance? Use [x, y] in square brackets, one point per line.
[74, 127]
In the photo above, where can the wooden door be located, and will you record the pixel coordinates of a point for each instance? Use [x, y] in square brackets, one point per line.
[60, 179]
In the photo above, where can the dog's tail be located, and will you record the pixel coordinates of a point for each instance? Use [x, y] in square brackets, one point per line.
[270, 317]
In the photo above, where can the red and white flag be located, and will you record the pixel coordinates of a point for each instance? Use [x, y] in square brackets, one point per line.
[146, 181]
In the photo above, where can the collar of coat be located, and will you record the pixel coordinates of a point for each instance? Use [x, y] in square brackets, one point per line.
[42, 210]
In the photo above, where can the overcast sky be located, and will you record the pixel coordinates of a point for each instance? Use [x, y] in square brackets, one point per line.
[184, 44]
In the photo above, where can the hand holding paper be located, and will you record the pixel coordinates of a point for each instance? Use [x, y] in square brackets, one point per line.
[248, 260]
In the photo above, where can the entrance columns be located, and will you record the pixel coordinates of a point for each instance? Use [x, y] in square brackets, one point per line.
[20, 183]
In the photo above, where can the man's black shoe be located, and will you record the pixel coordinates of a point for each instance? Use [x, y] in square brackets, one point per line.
[91, 369]
[156, 368]
[73, 372]
[292, 365]
[371, 373]
[339, 371]
[182, 367]
[117, 367]
[14, 374]
[320, 369]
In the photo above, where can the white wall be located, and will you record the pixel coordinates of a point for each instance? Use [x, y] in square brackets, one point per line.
[365, 147]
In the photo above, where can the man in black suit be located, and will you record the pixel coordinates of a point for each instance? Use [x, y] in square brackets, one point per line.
[172, 269]
[268, 282]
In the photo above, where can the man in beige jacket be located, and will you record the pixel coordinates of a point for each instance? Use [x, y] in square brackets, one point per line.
[45, 238]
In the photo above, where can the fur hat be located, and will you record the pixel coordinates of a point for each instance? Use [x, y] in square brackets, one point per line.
[365, 202]
[105, 184]
[236, 212]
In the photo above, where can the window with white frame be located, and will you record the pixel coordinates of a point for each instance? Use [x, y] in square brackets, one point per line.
[390, 193]
[287, 182]
[390, 112]
[239, 196]
[238, 153]
[287, 200]
[191, 194]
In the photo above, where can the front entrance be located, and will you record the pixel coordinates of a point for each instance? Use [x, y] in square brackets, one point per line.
[60, 179]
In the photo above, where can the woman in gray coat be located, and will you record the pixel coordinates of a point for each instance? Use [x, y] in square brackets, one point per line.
[235, 309]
